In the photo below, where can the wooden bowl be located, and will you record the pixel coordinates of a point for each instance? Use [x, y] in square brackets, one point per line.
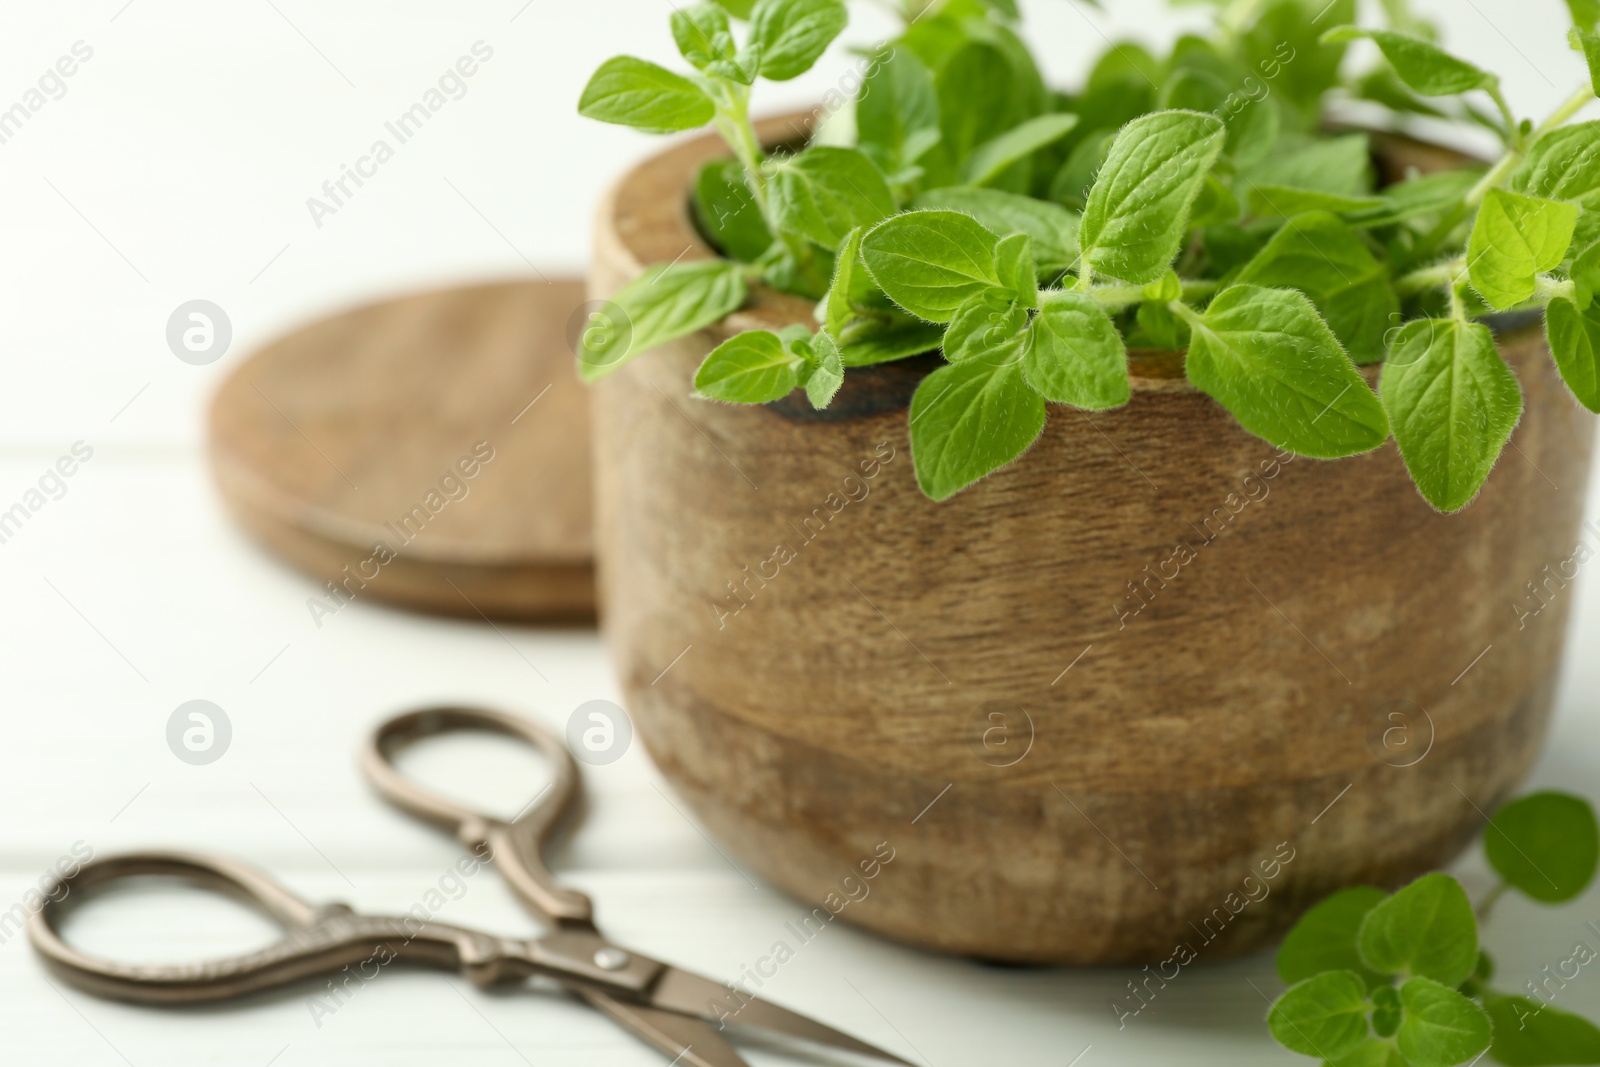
[1143, 696]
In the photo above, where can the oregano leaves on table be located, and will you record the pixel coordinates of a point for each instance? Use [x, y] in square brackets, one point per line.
[952, 201]
[1400, 980]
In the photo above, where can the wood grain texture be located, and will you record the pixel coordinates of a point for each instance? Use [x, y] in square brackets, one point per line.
[352, 432]
[1201, 647]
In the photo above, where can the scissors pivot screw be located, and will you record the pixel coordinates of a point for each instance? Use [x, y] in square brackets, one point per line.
[611, 959]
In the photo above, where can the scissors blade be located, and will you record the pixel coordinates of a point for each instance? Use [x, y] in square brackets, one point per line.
[692, 1042]
[690, 994]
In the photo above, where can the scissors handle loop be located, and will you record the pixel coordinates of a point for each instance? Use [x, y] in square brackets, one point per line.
[517, 847]
[317, 940]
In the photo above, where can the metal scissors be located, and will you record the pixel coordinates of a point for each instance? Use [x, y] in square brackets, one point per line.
[669, 1008]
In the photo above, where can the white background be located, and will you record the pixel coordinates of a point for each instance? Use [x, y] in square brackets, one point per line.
[177, 166]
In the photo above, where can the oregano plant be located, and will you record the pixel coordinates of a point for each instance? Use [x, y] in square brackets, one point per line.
[1400, 980]
[1202, 201]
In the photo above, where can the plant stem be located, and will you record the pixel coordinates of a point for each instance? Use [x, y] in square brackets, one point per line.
[1486, 905]
[1116, 297]
[1509, 162]
[1420, 281]
[1513, 127]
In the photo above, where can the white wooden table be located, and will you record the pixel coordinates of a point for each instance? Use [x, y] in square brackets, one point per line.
[176, 165]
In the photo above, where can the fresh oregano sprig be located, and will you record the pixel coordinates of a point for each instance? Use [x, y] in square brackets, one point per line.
[1193, 201]
[1381, 980]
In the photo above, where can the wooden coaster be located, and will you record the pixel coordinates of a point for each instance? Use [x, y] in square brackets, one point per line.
[430, 451]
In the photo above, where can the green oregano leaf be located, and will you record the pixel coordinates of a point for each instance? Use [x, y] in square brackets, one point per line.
[1564, 164]
[931, 262]
[989, 159]
[1574, 338]
[886, 343]
[1074, 354]
[1586, 276]
[1585, 13]
[1428, 929]
[1453, 404]
[825, 192]
[1053, 229]
[638, 93]
[1013, 257]
[1372, 1052]
[822, 373]
[662, 304]
[1332, 175]
[968, 420]
[1515, 239]
[1325, 938]
[1327, 260]
[1324, 1016]
[1138, 210]
[975, 102]
[990, 324]
[1440, 1027]
[792, 34]
[702, 34]
[897, 113]
[728, 213]
[1267, 356]
[838, 307]
[1545, 844]
[1422, 65]
[1387, 1011]
[754, 367]
[1531, 1033]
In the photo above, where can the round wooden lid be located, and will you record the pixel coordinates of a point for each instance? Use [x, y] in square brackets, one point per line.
[430, 451]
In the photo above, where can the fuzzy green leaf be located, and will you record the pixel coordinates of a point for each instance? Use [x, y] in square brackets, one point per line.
[1325, 937]
[1333, 175]
[662, 304]
[1564, 164]
[968, 420]
[989, 325]
[1440, 1027]
[825, 192]
[1574, 338]
[751, 368]
[1373, 1052]
[1585, 13]
[702, 34]
[1053, 229]
[931, 262]
[897, 113]
[1515, 239]
[1325, 1016]
[1267, 356]
[1328, 261]
[1423, 66]
[849, 275]
[1428, 929]
[975, 102]
[1531, 1033]
[638, 93]
[727, 211]
[791, 35]
[1075, 355]
[887, 343]
[1138, 210]
[1545, 844]
[823, 371]
[989, 159]
[1013, 257]
[1453, 403]
[1589, 44]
